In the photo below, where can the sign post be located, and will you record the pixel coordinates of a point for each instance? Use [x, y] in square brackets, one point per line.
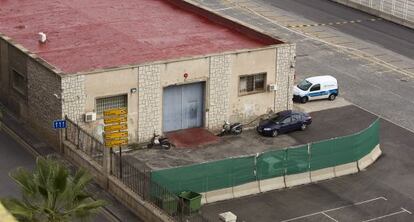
[60, 124]
[116, 132]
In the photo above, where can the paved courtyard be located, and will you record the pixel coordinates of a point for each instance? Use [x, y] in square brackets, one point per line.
[343, 120]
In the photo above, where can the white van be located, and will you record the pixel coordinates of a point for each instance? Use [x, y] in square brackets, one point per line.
[317, 87]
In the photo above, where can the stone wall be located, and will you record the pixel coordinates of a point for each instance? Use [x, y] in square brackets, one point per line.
[44, 106]
[398, 11]
[73, 97]
[218, 88]
[285, 63]
[149, 102]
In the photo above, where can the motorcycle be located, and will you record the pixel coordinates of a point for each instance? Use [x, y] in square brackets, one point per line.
[233, 129]
[160, 141]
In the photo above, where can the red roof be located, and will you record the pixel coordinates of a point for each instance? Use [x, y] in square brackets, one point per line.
[84, 35]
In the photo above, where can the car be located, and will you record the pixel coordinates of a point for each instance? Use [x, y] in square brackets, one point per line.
[317, 87]
[283, 122]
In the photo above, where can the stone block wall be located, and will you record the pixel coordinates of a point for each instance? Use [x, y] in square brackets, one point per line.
[218, 88]
[398, 11]
[73, 97]
[149, 102]
[285, 63]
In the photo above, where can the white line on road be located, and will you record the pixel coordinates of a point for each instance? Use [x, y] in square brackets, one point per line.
[222, 9]
[406, 210]
[329, 217]
[388, 215]
[333, 209]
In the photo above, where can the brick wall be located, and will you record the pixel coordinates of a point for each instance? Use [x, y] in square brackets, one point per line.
[44, 106]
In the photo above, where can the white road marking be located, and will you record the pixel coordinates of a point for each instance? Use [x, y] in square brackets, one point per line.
[406, 210]
[329, 217]
[388, 215]
[338, 208]
[222, 9]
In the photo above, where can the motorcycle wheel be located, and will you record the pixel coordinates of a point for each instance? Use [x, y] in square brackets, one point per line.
[238, 131]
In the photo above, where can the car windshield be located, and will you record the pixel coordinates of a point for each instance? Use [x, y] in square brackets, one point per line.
[304, 85]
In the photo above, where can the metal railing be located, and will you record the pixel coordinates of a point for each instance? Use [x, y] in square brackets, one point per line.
[133, 174]
[84, 141]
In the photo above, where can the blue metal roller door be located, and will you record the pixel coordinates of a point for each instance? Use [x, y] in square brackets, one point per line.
[183, 107]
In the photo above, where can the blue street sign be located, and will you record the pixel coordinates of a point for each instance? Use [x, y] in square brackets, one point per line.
[59, 124]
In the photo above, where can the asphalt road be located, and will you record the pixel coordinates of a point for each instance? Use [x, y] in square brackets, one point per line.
[13, 155]
[386, 34]
[383, 192]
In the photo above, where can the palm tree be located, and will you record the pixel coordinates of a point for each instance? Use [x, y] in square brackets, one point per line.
[50, 193]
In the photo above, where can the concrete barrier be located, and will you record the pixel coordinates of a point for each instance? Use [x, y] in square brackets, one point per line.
[376, 153]
[272, 184]
[203, 198]
[370, 158]
[217, 195]
[322, 174]
[297, 179]
[345, 169]
[365, 161]
[246, 189]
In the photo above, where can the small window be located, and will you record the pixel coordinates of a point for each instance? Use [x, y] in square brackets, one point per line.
[112, 102]
[19, 82]
[316, 87]
[252, 83]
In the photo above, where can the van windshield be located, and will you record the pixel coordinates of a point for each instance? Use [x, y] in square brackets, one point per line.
[304, 85]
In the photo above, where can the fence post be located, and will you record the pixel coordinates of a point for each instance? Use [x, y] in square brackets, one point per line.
[106, 162]
[78, 139]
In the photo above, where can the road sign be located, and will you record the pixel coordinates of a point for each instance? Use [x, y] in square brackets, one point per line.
[115, 112]
[118, 127]
[111, 143]
[59, 124]
[115, 120]
[117, 135]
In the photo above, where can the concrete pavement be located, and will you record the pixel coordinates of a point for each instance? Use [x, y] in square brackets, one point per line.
[374, 74]
[383, 192]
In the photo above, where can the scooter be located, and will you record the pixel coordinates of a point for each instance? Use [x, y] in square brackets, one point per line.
[233, 129]
[160, 141]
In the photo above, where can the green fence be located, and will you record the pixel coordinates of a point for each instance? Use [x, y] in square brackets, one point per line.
[236, 171]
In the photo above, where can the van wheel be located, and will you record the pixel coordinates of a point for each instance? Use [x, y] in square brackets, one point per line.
[332, 97]
[304, 99]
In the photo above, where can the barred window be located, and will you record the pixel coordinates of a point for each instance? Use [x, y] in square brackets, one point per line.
[252, 83]
[112, 102]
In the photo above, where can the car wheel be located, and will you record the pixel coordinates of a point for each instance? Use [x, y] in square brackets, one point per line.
[304, 99]
[332, 97]
[275, 133]
[303, 127]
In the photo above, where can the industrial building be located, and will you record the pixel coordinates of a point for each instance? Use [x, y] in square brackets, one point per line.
[174, 65]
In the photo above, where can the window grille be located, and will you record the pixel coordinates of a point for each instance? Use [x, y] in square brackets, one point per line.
[252, 83]
[112, 102]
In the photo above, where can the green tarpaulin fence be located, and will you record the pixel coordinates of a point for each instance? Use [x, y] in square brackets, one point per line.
[236, 171]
